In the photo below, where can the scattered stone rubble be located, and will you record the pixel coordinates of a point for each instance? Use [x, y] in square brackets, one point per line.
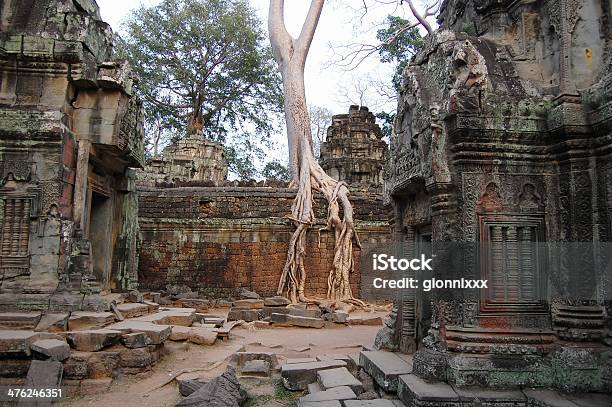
[85, 350]
[278, 312]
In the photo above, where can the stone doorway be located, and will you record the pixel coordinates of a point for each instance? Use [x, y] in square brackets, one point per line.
[99, 232]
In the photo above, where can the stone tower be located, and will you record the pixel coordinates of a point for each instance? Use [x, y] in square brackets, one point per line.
[354, 151]
[190, 159]
[70, 133]
[501, 163]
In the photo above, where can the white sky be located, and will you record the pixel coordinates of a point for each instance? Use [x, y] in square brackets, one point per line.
[327, 84]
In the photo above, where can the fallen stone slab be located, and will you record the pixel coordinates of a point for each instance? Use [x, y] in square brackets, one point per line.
[259, 368]
[277, 301]
[314, 388]
[218, 321]
[302, 360]
[350, 360]
[239, 314]
[338, 377]
[483, 395]
[195, 303]
[414, 391]
[248, 304]
[153, 306]
[138, 360]
[279, 319]
[54, 349]
[43, 374]
[53, 322]
[330, 403]
[241, 358]
[384, 367]
[591, 399]
[14, 343]
[180, 333]
[170, 317]
[299, 312]
[156, 334]
[304, 322]
[337, 393]
[370, 403]
[189, 386]
[339, 317]
[202, 336]
[547, 398]
[81, 320]
[297, 376]
[365, 321]
[134, 340]
[133, 310]
[222, 391]
[19, 320]
[93, 339]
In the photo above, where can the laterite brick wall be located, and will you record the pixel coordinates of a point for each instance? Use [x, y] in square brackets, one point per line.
[220, 239]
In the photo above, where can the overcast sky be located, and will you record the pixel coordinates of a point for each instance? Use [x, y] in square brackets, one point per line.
[327, 84]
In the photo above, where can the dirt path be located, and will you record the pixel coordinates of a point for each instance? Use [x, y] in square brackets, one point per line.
[285, 342]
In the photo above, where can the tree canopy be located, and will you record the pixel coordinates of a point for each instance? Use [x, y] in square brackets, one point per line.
[204, 66]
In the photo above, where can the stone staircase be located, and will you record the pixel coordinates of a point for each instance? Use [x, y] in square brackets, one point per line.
[335, 383]
[89, 349]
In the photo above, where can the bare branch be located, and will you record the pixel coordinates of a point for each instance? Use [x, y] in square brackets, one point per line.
[420, 18]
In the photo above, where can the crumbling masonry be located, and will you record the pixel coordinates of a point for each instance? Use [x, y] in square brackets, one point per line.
[70, 132]
[503, 136]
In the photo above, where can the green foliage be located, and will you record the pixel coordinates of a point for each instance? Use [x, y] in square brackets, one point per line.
[275, 171]
[387, 120]
[398, 48]
[204, 66]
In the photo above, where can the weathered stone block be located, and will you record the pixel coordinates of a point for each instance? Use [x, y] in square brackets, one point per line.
[132, 310]
[384, 367]
[241, 358]
[135, 340]
[331, 378]
[260, 368]
[180, 333]
[54, 349]
[202, 336]
[93, 340]
[337, 393]
[365, 321]
[305, 322]
[248, 304]
[156, 334]
[248, 315]
[19, 320]
[81, 320]
[297, 376]
[14, 343]
[414, 391]
[276, 302]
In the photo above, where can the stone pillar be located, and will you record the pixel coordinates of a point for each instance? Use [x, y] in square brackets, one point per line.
[80, 184]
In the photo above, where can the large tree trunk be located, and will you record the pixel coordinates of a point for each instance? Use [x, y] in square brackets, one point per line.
[306, 173]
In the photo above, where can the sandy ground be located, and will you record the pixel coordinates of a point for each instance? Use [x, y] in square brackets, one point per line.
[285, 342]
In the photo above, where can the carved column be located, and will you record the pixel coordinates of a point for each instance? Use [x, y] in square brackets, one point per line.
[80, 184]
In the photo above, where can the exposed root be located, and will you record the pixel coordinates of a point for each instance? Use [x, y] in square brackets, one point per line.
[293, 279]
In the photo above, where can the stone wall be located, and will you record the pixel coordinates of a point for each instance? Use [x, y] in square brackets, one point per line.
[70, 128]
[218, 239]
[503, 135]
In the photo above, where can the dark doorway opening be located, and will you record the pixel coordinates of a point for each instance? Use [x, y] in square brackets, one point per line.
[100, 221]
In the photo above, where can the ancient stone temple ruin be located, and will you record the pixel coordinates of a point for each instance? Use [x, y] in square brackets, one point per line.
[70, 130]
[503, 137]
[190, 159]
[354, 151]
